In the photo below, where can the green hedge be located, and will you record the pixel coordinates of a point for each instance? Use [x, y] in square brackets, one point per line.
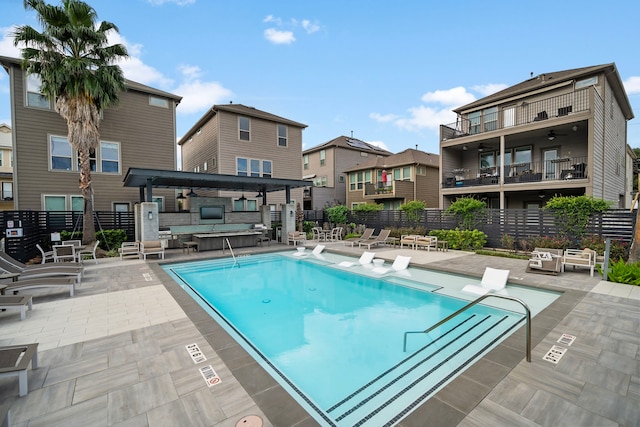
[461, 239]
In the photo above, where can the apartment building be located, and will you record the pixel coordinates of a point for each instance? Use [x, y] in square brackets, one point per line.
[6, 168]
[394, 180]
[138, 132]
[235, 139]
[325, 166]
[560, 133]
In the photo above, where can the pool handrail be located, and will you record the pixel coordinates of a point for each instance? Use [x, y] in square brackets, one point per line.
[235, 261]
[474, 302]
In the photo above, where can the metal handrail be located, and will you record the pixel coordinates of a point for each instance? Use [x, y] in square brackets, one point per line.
[474, 302]
[235, 261]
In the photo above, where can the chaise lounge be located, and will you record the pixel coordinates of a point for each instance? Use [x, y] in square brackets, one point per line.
[14, 362]
[493, 280]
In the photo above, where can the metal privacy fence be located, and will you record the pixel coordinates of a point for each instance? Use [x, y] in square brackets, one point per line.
[517, 223]
[37, 226]
[23, 229]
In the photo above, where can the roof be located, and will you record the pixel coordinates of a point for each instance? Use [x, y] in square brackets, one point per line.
[409, 156]
[242, 110]
[554, 78]
[349, 144]
[129, 84]
[158, 178]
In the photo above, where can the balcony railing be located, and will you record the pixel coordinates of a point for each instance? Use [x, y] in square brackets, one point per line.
[566, 168]
[379, 189]
[517, 115]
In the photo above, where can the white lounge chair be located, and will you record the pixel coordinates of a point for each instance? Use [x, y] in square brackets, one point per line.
[316, 252]
[365, 259]
[46, 255]
[399, 264]
[493, 279]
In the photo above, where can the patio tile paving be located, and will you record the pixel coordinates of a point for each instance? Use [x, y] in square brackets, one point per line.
[115, 355]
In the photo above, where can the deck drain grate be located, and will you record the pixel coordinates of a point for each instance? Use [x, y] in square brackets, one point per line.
[554, 354]
[566, 339]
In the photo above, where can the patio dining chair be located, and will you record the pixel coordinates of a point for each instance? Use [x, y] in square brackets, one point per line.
[88, 252]
[46, 255]
[63, 253]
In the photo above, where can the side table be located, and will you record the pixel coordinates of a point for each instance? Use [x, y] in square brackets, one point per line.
[443, 246]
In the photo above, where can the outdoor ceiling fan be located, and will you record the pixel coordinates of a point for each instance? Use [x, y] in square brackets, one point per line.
[552, 135]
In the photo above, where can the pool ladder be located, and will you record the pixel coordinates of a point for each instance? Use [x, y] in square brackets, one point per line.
[471, 304]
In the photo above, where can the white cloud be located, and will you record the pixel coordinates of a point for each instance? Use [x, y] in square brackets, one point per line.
[310, 27]
[6, 43]
[489, 89]
[271, 18]
[278, 36]
[451, 97]
[383, 118]
[379, 144]
[632, 85]
[197, 95]
[425, 118]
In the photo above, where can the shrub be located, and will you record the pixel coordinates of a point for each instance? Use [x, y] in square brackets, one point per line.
[574, 212]
[469, 212]
[551, 242]
[413, 209]
[619, 249]
[109, 239]
[368, 207]
[461, 239]
[508, 242]
[337, 214]
[621, 272]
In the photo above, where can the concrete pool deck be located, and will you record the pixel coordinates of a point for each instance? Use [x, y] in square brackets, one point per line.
[115, 355]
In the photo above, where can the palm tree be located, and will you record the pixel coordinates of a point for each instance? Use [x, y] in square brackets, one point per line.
[76, 69]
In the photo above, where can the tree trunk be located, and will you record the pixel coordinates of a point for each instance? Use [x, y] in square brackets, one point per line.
[83, 119]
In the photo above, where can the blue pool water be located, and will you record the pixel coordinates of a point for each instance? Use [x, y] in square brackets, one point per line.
[334, 339]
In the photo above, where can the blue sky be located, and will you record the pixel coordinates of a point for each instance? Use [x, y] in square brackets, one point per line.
[390, 72]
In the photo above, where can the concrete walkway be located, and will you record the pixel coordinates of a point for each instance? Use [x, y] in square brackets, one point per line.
[116, 354]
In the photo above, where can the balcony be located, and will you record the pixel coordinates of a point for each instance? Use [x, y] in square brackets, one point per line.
[397, 189]
[523, 113]
[559, 170]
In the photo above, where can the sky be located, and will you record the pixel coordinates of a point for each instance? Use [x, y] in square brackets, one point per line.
[384, 72]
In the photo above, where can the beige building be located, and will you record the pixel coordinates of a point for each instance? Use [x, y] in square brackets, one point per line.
[325, 166]
[138, 132]
[561, 133]
[395, 180]
[235, 139]
[6, 168]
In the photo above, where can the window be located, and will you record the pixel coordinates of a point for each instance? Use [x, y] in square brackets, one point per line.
[120, 207]
[63, 158]
[110, 155]
[363, 154]
[204, 167]
[55, 203]
[1, 158]
[253, 167]
[490, 119]
[341, 178]
[487, 162]
[322, 157]
[241, 167]
[7, 191]
[474, 122]
[61, 154]
[160, 202]
[266, 168]
[244, 125]
[77, 204]
[587, 82]
[35, 98]
[282, 136]
[245, 205]
[305, 161]
[320, 181]
[358, 179]
[158, 102]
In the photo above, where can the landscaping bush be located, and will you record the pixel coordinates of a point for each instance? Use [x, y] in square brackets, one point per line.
[618, 250]
[468, 211]
[621, 272]
[109, 239]
[461, 239]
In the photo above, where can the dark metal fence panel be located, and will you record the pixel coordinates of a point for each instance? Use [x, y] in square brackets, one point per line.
[37, 227]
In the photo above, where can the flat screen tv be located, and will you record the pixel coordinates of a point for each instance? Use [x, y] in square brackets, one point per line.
[211, 212]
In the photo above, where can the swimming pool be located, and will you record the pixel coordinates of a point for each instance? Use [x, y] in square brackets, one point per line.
[334, 337]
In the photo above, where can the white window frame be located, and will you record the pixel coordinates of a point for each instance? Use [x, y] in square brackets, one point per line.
[114, 206]
[156, 101]
[244, 134]
[32, 85]
[68, 201]
[102, 159]
[323, 157]
[8, 184]
[283, 132]
[251, 170]
[305, 161]
[98, 158]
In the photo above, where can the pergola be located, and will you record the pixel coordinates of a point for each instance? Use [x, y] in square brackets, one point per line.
[148, 179]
